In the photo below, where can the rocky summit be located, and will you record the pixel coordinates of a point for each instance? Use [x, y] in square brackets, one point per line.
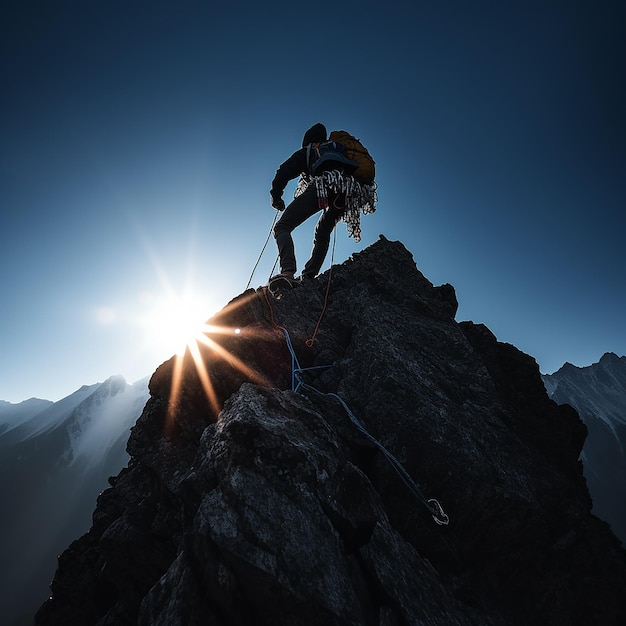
[347, 453]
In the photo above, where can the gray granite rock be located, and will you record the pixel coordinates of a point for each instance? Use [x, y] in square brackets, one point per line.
[249, 502]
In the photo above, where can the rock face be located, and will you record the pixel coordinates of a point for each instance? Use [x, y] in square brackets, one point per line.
[246, 502]
[598, 393]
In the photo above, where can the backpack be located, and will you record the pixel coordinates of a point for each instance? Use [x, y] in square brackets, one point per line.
[354, 150]
[329, 155]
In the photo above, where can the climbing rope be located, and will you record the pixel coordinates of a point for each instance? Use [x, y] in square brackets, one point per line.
[309, 342]
[263, 250]
[433, 505]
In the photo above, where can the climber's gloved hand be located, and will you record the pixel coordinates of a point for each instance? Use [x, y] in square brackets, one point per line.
[278, 203]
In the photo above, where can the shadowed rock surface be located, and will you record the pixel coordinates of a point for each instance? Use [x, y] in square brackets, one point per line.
[245, 502]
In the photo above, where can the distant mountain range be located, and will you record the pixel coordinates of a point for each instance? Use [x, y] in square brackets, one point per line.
[55, 458]
[598, 393]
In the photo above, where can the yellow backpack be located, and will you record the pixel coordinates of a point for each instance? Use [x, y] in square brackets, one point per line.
[356, 151]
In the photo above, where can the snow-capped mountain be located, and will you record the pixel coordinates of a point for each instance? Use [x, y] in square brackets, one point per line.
[13, 414]
[25, 422]
[598, 393]
[55, 459]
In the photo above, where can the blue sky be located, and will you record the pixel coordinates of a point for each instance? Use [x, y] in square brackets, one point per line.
[139, 140]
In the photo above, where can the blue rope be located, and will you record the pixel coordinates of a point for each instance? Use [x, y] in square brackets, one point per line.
[431, 504]
[296, 370]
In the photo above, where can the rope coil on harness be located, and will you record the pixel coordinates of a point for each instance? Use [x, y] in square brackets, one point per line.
[434, 507]
[360, 197]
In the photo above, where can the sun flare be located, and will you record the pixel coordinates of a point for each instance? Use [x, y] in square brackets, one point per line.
[175, 321]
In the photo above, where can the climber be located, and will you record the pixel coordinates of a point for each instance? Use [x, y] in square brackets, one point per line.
[303, 206]
[336, 177]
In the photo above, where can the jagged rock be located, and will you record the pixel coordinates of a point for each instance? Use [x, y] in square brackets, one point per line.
[246, 502]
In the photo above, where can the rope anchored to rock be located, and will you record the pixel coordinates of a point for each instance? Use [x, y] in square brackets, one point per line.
[433, 505]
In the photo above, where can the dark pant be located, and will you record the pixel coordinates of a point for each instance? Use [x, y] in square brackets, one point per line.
[303, 207]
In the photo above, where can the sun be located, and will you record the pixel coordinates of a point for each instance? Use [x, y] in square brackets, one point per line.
[173, 320]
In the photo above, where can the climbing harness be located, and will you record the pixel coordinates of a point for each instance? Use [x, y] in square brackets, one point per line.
[433, 505]
[360, 197]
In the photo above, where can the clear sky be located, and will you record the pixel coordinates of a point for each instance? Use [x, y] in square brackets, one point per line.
[139, 140]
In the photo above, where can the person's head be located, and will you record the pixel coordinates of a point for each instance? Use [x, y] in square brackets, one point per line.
[315, 134]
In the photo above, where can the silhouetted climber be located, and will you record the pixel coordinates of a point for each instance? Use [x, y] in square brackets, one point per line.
[328, 183]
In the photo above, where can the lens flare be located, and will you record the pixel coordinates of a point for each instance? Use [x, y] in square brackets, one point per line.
[203, 350]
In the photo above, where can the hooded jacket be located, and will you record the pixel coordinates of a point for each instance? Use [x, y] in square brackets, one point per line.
[359, 198]
[296, 164]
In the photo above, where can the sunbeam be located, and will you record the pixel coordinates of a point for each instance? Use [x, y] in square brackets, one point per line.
[204, 352]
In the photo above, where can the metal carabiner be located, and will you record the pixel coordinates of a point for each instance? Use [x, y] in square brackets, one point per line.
[439, 515]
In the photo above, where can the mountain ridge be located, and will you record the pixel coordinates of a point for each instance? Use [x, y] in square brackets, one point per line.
[247, 500]
[598, 393]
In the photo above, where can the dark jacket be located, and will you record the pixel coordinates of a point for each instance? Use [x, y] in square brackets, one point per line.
[296, 164]
[293, 167]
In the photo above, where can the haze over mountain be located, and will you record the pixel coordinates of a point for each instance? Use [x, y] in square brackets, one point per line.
[54, 460]
[598, 393]
[347, 454]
